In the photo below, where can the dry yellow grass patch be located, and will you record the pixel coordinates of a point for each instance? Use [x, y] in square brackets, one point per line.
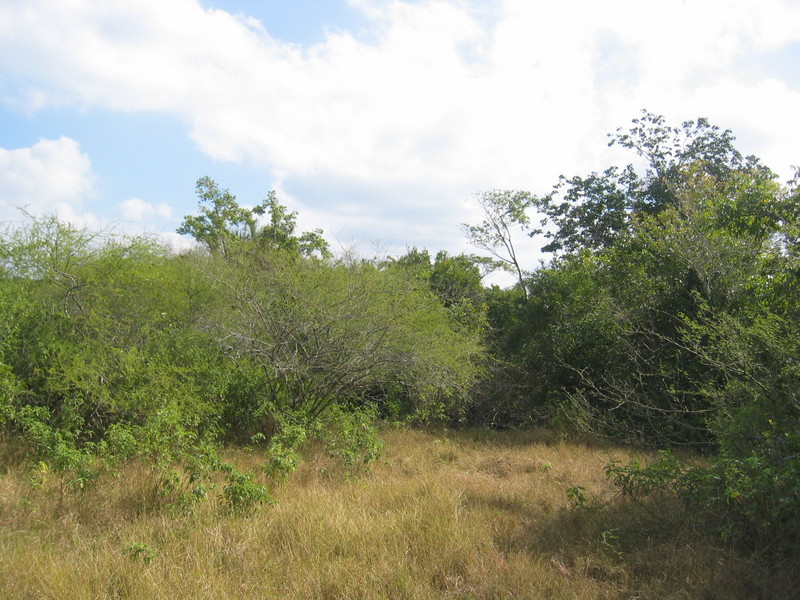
[461, 515]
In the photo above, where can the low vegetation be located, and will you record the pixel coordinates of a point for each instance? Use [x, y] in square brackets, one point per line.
[443, 514]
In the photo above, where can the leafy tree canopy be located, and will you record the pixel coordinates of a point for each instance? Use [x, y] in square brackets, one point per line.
[596, 212]
[504, 211]
[223, 223]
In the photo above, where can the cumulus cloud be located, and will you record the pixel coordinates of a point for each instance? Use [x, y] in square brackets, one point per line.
[442, 98]
[50, 176]
[135, 209]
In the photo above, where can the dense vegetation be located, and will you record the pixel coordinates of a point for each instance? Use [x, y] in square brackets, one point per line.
[115, 349]
[667, 317]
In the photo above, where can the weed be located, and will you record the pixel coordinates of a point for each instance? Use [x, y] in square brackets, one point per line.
[140, 551]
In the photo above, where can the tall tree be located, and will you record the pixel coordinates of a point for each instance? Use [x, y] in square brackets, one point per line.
[597, 211]
[223, 224]
[504, 212]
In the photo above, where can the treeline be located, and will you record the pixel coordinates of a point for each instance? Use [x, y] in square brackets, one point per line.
[115, 349]
[667, 317]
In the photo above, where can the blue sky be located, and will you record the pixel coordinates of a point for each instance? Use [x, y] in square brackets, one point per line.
[375, 119]
[301, 21]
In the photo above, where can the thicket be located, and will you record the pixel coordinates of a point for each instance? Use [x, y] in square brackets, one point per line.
[115, 349]
[668, 317]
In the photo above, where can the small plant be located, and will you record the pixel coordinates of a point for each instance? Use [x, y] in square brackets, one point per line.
[243, 495]
[283, 456]
[577, 496]
[38, 475]
[140, 551]
[351, 436]
[637, 482]
[182, 491]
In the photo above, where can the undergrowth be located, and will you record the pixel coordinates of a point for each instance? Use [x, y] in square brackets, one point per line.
[471, 514]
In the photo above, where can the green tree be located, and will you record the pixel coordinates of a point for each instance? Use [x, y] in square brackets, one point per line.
[598, 211]
[705, 250]
[324, 334]
[102, 356]
[669, 317]
[223, 224]
[601, 337]
[456, 280]
[105, 358]
[504, 211]
[308, 335]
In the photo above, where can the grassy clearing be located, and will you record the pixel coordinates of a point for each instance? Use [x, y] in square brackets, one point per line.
[461, 515]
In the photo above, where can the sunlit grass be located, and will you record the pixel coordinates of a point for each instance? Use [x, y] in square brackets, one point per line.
[443, 514]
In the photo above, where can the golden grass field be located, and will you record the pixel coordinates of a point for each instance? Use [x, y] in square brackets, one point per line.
[443, 514]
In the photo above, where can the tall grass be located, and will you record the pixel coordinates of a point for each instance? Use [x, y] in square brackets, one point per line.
[461, 515]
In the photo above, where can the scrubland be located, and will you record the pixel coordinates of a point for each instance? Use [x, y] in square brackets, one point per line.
[443, 514]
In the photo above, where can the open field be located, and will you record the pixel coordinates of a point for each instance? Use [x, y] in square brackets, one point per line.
[443, 514]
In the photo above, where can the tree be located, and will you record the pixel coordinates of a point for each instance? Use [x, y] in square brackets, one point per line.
[324, 333]
[638, 255]
[702, 253]
[597, 211]
[503, 211]
[456, 280]
[100, 359]
[331, 334]
[223, 224]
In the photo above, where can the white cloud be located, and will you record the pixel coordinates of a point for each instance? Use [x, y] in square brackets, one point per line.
[438, 102]
[176, 242]
[135, 209]
[50, 176]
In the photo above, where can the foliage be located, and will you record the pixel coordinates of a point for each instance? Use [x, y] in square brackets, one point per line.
[324, 333]
[456, 281]
[96, 349]
[223, 225]
[638, 482]
[116, 350]
[577, 496]
[754, 484]
[503, 211]
[283, 453]
[668, 317]
[351, 437]
[598, 211]
[242, 495]
[140, 550]
[602, 338]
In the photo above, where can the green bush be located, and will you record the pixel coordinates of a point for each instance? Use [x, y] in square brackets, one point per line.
[242, 495]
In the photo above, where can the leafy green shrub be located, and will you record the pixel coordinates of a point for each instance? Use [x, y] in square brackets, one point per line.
[640, 482]
[140, 551]
[577, 496]
[56, 449]
[242, 495]
[753, 502]
[283, 454]
[350, 435]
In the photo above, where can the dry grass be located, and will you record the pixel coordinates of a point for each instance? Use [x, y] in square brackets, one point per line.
[461, 515]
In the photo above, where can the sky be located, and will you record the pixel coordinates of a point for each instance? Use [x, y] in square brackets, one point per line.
[376, 120]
